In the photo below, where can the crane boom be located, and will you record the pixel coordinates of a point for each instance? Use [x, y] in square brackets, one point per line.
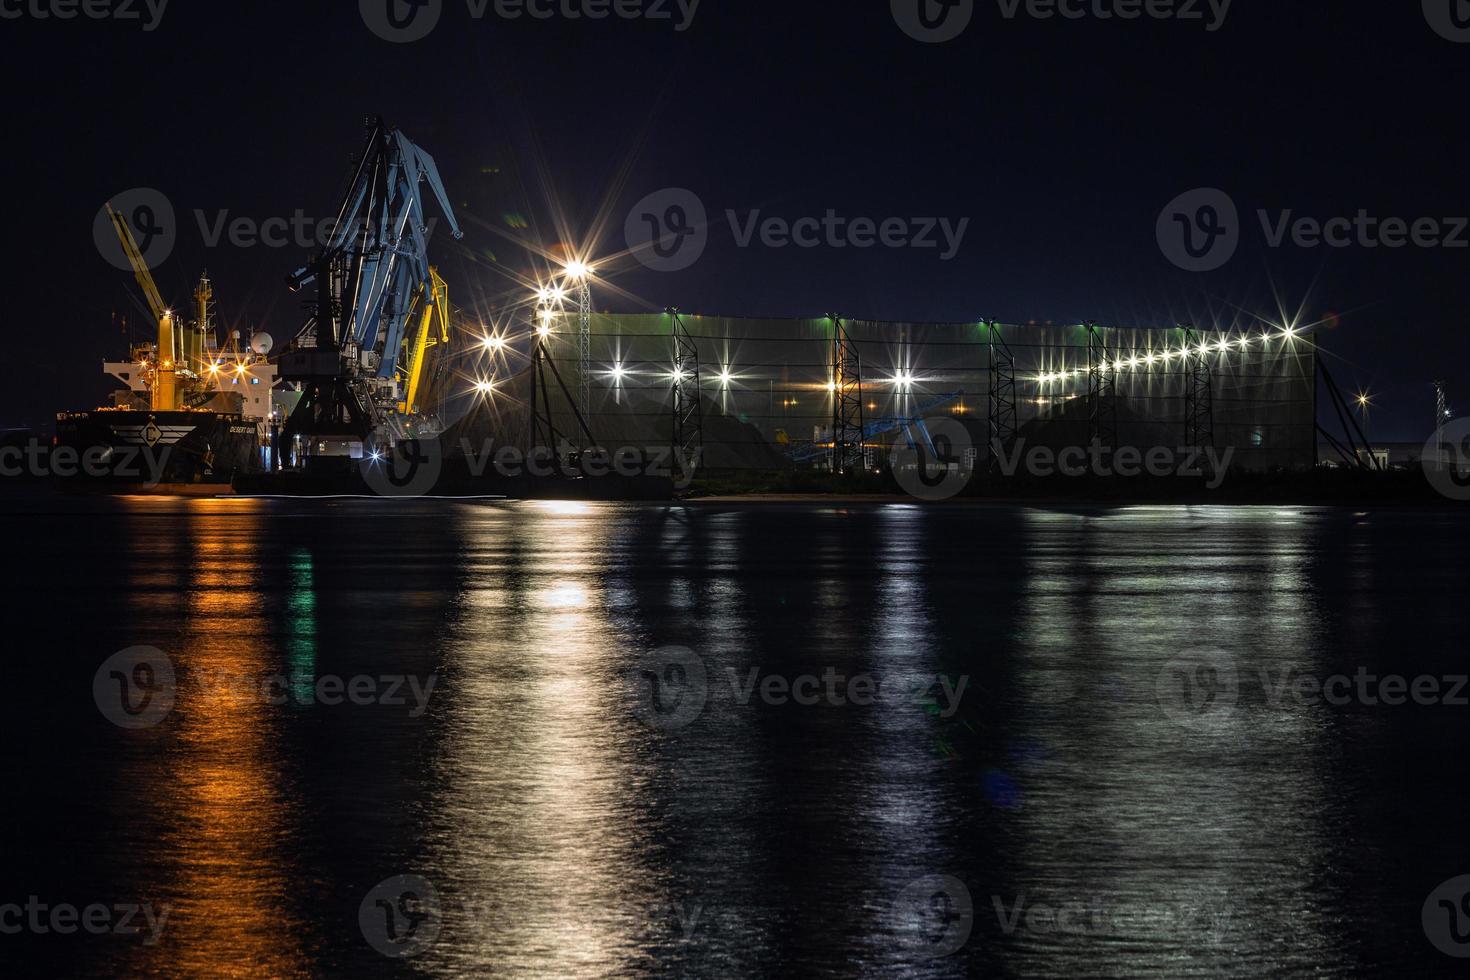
[428, 326]
[381, 235]
[164, 377]
[140, 268]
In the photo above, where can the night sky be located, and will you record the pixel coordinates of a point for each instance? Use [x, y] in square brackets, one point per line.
[1060, 140]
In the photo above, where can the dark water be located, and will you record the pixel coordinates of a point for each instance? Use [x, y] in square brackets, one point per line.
[1116, 790]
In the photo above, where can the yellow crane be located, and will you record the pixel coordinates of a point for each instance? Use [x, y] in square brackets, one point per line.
[428, 327]
[164, 391]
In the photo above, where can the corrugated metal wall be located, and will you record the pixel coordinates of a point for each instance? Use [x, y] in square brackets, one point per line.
[766, 398]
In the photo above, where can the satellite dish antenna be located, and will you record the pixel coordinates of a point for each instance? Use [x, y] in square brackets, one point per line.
[261, 343]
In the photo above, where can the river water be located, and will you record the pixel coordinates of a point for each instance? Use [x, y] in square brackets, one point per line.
[586, 740]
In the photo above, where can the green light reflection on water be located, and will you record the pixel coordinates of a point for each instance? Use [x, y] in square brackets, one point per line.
[301, 616]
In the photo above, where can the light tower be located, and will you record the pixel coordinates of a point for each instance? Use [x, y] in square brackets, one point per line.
[579, 276]
[1442, 415]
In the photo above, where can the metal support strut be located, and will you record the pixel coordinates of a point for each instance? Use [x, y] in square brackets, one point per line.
[1199, 393]
[687, 440]
[1003, 416]
[1358, 452]
[542, 430]
[584, 348]
[1102, 391]
[847, 402]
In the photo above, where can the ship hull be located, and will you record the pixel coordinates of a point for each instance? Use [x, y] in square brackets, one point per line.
[145, 447]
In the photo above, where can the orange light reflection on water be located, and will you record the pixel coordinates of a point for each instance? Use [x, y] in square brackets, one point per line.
[220, 797]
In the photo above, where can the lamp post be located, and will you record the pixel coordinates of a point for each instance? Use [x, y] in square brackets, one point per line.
[578, 277]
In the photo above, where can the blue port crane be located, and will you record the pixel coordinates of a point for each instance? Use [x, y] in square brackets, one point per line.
[371, 276]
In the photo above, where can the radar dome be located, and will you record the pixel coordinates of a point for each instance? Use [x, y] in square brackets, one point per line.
[261, 343]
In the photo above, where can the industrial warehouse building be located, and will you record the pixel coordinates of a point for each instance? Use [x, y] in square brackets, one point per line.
[774, 393]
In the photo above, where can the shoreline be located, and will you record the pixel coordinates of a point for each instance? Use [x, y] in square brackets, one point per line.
[841, 499]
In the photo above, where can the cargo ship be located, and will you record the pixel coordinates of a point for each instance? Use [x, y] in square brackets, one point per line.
[191, 412]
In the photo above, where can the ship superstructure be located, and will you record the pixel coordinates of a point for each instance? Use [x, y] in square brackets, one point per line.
[193, 372]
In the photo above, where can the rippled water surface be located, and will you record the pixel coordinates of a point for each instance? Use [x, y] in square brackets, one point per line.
[1098, 775]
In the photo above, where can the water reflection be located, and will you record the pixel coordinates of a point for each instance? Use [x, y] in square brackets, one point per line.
[534, 832]
[907, 812]
[301, 622]
[565, 837]
[1160, 835]
[216, 792]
